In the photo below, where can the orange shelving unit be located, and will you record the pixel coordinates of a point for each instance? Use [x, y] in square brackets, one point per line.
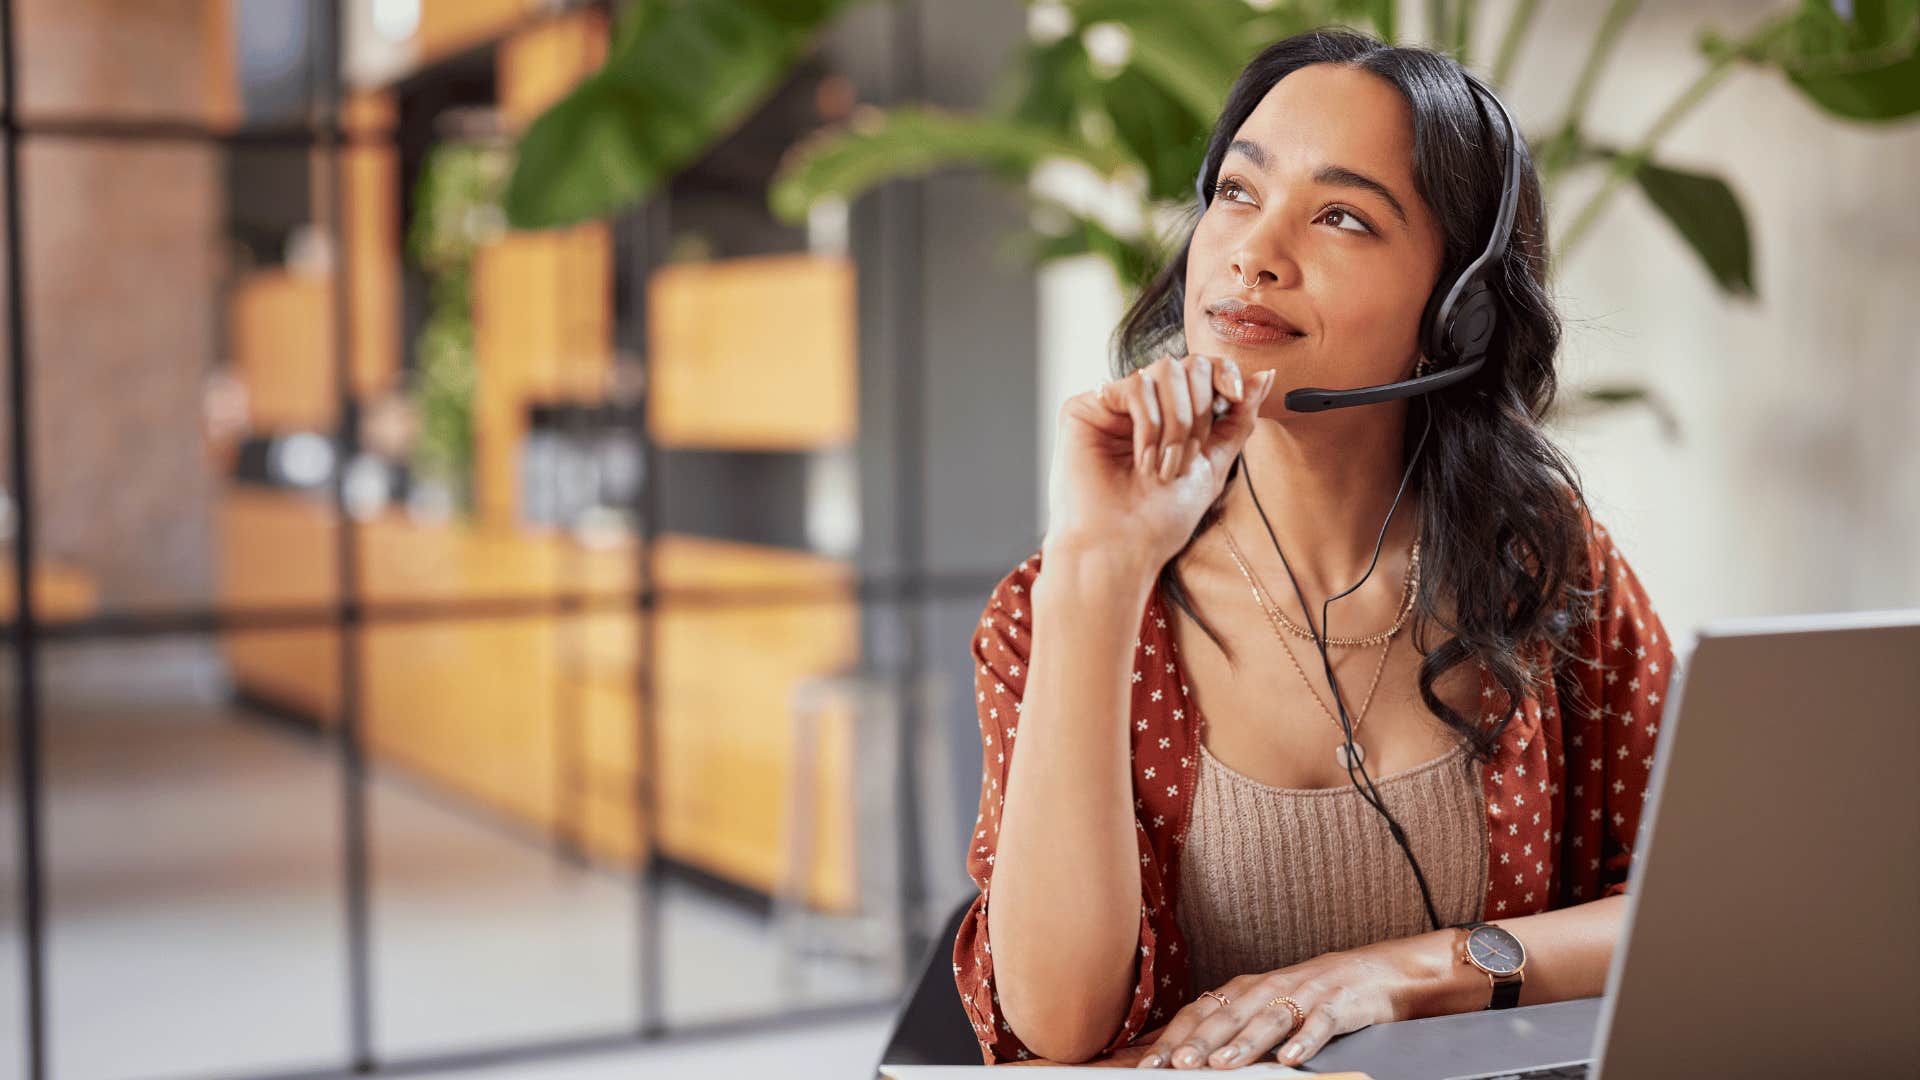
[536, 717]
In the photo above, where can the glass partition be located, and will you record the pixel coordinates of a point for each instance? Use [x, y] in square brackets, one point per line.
[451, 639]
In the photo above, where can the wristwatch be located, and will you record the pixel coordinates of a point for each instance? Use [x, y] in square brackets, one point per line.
[1498, 953]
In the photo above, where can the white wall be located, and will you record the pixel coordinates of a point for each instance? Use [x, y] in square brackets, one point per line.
[1795, 484]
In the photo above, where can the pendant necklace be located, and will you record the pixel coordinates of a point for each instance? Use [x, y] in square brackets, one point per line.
[1348, 759]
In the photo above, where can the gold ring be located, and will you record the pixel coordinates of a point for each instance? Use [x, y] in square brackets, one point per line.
[1217, 994]
[1298, 1016]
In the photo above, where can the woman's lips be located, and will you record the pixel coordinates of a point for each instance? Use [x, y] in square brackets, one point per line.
[1249, 333]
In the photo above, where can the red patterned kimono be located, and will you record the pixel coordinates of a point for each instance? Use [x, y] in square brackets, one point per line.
[1563, 794]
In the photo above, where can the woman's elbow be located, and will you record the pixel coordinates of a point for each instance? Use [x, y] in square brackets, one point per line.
[1062, 1028]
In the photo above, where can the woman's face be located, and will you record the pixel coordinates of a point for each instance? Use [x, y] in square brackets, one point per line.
[1347, 264]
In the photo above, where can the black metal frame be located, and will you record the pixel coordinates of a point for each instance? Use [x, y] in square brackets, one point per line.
[913, 588]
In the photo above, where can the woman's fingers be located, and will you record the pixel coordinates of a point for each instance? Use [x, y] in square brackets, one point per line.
[1176, 405]
[1334, 994]
[1228, 381]
[1146, 396]
[1261, 1033]
[1232, 1036]
[1230, 431]
[1176, 1033]
[1222, 1028]
[1200, 375]
[1326, 1017]
[1177, 414]
[1125, 410]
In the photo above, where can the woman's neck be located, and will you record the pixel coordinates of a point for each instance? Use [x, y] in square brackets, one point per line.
[1325, 487]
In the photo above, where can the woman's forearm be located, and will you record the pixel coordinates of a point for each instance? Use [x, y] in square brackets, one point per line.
[1063, 909]
[1568, 952]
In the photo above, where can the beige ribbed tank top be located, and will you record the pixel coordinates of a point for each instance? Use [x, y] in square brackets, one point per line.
[1271, 876]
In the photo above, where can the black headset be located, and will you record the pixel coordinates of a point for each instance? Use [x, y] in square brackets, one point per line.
[1461, 313]
[1459, 323]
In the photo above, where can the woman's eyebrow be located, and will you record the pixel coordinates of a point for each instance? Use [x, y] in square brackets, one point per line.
[1341, 176]
[1334, 175]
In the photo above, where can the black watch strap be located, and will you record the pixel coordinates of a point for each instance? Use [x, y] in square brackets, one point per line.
[1506, 993]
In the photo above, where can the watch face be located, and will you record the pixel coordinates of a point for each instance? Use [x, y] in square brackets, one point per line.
[1496, 950]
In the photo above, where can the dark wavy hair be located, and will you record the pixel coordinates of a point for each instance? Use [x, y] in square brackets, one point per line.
[1502, 522]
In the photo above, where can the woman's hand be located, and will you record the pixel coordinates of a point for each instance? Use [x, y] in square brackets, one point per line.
[1337, 992]
[1141, 458]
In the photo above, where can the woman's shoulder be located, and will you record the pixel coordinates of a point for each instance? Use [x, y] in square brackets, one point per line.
[1015, 587]
[1612, 603]
[1000, 646]
[1584, 517]
[1597, 556]
[1605, 568]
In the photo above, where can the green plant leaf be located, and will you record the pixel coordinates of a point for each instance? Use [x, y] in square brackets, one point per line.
[586, 156]
[1702, 208]
[881, 145]
[1156, 131]
[1153, 106]
[1056, 86]
[456, 211]
[456, 204]
[1195, 48]
[637, 20]
[1191, 48]
[1865, 68]
[1607, 397]
[1049, 87]
[1707, 214]
[1134, 262]
[679, 76]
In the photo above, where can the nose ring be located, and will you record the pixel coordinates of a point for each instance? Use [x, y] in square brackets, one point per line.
[1249, 284]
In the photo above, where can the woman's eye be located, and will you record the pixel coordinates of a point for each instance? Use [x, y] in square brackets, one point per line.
[1347, 216]
[1222, 187]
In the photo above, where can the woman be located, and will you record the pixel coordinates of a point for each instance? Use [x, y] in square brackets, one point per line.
[1183, 870]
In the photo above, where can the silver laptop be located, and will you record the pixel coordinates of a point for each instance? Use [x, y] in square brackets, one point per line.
[1773, 923]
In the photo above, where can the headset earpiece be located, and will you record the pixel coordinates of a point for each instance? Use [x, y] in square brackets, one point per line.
[1469, 326]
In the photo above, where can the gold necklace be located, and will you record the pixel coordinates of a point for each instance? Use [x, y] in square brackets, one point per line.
[1348, 759]
[1409, 587]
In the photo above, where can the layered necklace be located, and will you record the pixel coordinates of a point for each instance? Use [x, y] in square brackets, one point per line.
[1278, 620]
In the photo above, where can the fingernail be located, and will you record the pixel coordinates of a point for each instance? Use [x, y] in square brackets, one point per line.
[1291, 1054]
[1186, 1055]
[1151, 1061]
[1226, 1054]
[1167, 458]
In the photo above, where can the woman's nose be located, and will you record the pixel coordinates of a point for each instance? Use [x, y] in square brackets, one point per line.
[1255, 267]
[1252, 273]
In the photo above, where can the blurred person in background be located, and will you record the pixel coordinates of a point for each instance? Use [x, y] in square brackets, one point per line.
[1187, 869]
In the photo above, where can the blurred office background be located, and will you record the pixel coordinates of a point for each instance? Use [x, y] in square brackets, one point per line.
[455, 644]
